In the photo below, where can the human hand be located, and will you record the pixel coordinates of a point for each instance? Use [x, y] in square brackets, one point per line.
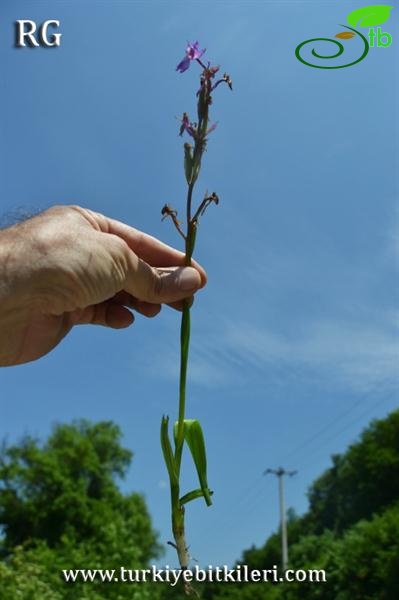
[70, 266]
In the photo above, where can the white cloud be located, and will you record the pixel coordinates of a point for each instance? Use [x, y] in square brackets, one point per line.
[357, 355]
[354, 354]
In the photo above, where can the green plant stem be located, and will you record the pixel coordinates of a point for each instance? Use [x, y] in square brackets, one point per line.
[178, 507]
[184, 341]
[188, 204]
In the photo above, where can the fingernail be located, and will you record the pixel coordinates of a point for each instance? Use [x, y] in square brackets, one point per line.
[189, 279]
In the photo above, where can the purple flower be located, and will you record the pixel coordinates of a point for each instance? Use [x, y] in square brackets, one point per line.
[187, 126]
[192, 53]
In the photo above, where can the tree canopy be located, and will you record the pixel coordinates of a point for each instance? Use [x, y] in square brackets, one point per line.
[61, 508]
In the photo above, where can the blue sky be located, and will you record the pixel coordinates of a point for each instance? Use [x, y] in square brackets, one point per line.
[294, 339]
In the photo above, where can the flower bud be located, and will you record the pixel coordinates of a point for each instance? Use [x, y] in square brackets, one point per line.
[189, 163]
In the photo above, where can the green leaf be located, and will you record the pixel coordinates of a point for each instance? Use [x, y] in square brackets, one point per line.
[168, 452]
[368, 16]
[192, 496]
[195, 440]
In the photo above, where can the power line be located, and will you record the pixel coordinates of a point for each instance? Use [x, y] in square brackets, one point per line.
[329, 425]
[350, 424]
[252, 495]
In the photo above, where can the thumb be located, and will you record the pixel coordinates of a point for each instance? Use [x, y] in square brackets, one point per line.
[161, 285]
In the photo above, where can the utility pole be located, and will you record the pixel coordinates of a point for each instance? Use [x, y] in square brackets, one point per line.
[283, 524]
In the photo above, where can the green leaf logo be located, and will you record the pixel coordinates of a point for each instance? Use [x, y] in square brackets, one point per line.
[368, 16]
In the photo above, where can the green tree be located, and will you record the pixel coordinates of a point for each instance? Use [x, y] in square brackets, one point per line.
[363, 481]
[61, 508]
[366, 562]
